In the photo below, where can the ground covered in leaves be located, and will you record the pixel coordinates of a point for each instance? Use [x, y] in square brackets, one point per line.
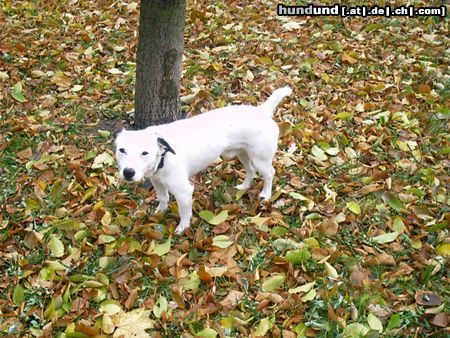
[355, 240]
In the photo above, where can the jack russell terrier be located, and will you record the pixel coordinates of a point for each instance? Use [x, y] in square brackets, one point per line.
[169, 154]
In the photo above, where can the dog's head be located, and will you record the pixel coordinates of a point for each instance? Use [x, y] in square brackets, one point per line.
[138, 152]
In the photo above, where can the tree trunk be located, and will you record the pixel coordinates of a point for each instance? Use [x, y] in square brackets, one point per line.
[158, 66]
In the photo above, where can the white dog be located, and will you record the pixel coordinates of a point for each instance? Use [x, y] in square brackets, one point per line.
[169, 154]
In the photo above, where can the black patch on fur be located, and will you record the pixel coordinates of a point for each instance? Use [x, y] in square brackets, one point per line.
[167, 148]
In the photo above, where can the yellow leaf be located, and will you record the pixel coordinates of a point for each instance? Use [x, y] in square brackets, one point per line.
[56, 246]
[222, 241]
[443, 250]
[262, 328]
[162, 248]
[374, 323]
[309, 296]
[385, 238]
[273, 283]
[331, 271]
[354, 207]
[133, 323]
[303, 288]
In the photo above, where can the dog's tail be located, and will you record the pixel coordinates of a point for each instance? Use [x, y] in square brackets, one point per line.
[274, 99]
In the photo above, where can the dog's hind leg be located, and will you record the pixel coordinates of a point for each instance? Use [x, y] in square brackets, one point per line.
[249, 170]
[264, 167]
[162, 194]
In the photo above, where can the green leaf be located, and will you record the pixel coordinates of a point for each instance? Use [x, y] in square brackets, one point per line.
[336, 46]
[313, 215]
[297, 257]
[303, 288]
[394, 321]
[222, 241]
[443, 250]
[193, 282]
[318, 153]
[373, 26]
[310, 295]
[273, 283]
[263, 327]
[345, 115]
[398, 225]
[331, 271]
[162, 248]
[104, 133]
[240, 193]
[219, 218]
[206, 215]
[300, 330]
[333, 151]
[386, 238]
[279, 231]
[56, 246]
[160, 307]
[355, 330]
[17, 92]
[209, 217]
[393, 201]
[18, 295]
[297, 196]
[374, 323]
[228, 325]
[354, 207]
[207, 333]
[416, 191]
[111, 307]
[106, 239]
[311, 242]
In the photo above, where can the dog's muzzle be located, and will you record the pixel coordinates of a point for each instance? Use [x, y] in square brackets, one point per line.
[128, 173]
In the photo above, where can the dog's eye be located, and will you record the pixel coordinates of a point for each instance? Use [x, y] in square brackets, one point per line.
[144, 153]
[122, 150]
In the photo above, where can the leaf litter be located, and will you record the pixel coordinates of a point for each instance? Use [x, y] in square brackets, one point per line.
[355, 240]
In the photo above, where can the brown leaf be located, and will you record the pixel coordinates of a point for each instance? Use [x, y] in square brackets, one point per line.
[25, 154]
[131, 299]
[441, 320]
[427, 298]
[330, 228]
[203, 275]
[424, 89]
[86, 328]
[221, 228]
[349, 59]
[231, 300]
[384, 259]
[370, 188]
[296, 182]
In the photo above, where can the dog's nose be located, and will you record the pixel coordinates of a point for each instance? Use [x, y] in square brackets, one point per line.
[128, 173]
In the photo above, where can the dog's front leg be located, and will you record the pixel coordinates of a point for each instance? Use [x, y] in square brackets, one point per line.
[162, 194]
[183, 195]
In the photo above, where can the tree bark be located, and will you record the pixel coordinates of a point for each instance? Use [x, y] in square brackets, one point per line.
[158, 66]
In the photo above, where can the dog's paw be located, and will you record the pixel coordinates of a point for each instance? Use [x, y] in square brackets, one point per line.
[265, 197]
[180, 229]
[242, 186]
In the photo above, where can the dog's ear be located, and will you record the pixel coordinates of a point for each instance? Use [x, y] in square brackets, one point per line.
[163, 144]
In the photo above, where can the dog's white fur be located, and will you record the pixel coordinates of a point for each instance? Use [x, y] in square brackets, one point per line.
[244, 131]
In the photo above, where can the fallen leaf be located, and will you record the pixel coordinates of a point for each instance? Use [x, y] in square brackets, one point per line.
[427, 298]
[385, 238]
[274, 282]
[133, 323]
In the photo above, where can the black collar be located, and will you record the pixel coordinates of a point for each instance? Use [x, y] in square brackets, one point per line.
[161, 161]
[165, 146]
